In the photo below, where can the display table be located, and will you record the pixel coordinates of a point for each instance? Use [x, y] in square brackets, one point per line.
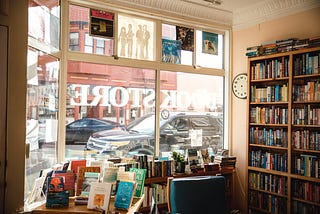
[136, 203]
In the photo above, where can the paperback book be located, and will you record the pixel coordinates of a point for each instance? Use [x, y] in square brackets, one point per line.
[99, 196]
[124, 194]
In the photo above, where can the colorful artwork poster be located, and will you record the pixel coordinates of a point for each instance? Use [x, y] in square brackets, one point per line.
[171, 51]
[209, 43]
[186, 37]
[101, 23]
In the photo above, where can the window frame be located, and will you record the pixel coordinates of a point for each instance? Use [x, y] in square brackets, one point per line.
[157, 65]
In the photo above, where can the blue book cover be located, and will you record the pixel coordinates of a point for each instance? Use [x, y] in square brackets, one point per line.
[171, 51]
[124, 194]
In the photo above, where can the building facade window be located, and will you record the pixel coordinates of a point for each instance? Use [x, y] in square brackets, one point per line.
[74, 42]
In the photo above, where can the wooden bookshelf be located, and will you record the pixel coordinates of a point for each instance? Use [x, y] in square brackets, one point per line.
[283, 142]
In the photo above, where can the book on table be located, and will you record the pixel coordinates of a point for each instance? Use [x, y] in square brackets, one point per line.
[89, 178]
[124, 195]
[140, 177]
[99, 196]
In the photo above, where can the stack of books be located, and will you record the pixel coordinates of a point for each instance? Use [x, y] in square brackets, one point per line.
[226, 162]
[300, 44]
[269, 48]
[314, 42]
[254, 51]
[285, 45]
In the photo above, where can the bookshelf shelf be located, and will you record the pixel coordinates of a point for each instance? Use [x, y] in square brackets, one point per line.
[284, 131]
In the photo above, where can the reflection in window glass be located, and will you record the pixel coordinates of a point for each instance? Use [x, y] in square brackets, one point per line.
[74, 42]
[209, 51]
[177, 44]
[136, 38]
[117, 99]
[42, 113]
[44, 23]
[191, 114]
[100, 46]
[79, 23]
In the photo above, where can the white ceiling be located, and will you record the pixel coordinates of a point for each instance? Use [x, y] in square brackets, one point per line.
[237, 14]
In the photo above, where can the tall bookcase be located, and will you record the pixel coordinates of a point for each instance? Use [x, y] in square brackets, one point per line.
[284, 132]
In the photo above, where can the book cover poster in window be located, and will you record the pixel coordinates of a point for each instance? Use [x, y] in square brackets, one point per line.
[209, 43]
[101, 23]
[186, 37]
[171, 51]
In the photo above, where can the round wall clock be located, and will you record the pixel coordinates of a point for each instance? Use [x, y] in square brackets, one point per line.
[239, 86]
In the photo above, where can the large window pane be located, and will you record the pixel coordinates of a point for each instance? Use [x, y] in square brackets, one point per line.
[104, 97]
[44, 23]
[191, 114]
[42, 113]
[79, 19]
[136, 38]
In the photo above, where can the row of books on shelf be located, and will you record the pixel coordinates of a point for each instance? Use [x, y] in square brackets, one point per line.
[268, 136]
[275, 93]
[306, 64]
[268, 160]
[267, 202]
[269, 115]
[270, 69]
[284, 45]
[305, 190]
[307, 92]
[306, 139]
[304, 208]
[306, 165]
[308, 115]
[268, 182]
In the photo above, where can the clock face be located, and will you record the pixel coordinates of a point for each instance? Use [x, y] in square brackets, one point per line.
[239, 86]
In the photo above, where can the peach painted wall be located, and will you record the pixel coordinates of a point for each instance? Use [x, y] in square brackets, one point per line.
[301, 25]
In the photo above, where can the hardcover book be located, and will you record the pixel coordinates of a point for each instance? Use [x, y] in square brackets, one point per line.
[99, 196]
[140, 177]
[89, 178]
[124, 194]
[80, 176]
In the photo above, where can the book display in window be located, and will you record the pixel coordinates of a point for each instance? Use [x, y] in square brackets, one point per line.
[283, 132]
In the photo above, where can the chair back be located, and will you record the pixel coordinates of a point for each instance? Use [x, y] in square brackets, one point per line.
[198, 194]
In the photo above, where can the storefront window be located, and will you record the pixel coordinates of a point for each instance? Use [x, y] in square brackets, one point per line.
[108, 98]
[42, 113]
[191, 114]
[42, 88]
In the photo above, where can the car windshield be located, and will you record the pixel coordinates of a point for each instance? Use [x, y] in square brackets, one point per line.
[144, 125]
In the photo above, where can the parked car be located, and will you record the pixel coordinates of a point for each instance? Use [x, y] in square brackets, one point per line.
[79, 131]
[175, 131]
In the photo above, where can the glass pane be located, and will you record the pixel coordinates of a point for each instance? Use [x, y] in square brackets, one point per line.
[209, 51]
[108, 109]
[177, 44]
[44, 23]
[191, 114]
[42, 113]
[88, 43]
[136, 38]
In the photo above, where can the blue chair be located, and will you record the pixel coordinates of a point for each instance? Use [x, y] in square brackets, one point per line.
[198, 194]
